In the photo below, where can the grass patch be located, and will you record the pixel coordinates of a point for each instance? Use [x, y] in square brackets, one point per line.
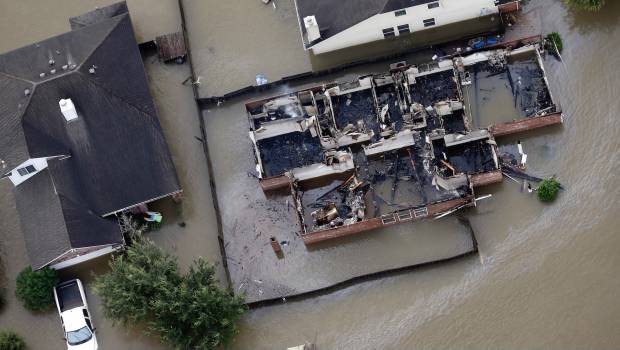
[587, 5]
[554, 43]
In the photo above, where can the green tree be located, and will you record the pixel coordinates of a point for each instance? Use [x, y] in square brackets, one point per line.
[11, 341]
[136, 278]
[187, 311]
[35, 289]
[548, 190]
[588, 5]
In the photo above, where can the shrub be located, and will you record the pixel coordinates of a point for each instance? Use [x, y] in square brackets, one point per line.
[11, 341]
[548, 190]
[35, 288]
[554, 41]
[187, 311]
[588, 5]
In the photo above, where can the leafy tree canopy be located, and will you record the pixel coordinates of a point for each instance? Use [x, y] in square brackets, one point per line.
[35, 289]
[187, 311]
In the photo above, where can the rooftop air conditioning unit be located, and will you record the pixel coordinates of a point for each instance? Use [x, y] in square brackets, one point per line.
[312, 29]
[68, 109]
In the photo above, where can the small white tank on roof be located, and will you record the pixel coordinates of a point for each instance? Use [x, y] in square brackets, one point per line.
[68, 109]
[312, 28]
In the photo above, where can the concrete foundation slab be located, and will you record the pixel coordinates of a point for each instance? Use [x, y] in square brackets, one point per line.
[250, 219]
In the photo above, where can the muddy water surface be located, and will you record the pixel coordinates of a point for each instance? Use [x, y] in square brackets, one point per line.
[547, 275]
[24, 22]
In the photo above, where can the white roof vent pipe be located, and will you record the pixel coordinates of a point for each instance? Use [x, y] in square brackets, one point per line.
[312, 29]
[68, 109]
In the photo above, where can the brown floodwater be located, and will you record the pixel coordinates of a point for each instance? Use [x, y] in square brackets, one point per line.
[24, 22]
[234, 40]
[546, 276]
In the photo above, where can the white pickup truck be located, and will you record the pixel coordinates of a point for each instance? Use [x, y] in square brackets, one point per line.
[74, 315]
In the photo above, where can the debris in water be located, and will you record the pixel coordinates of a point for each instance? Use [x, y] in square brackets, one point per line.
[261, 80]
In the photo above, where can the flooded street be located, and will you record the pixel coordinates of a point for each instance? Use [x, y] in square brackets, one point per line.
[21, 25]
[250, 217]
[251, 38]
[545, 277]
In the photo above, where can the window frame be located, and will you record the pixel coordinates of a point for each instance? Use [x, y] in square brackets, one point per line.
[429, 22]
[389, 33]
[26, 170]
[404, 29]
[401, 12]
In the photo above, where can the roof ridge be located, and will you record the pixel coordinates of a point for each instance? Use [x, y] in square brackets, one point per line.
[20, 113]
[11, 76]
[384, 6]
[117, 19]
[64, 220]
[101, 86]
[73, 202]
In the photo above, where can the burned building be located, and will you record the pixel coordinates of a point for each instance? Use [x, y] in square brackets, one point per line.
[395, 147]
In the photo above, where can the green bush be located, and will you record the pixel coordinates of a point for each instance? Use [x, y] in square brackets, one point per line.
[35, 289]
[11, 341]
[588, 5]
[548, 190]
[187, 311]
[554, 41]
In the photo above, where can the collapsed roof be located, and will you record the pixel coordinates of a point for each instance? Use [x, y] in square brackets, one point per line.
[398, 146]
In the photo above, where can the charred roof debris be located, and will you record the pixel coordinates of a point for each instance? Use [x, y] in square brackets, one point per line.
[398, 146]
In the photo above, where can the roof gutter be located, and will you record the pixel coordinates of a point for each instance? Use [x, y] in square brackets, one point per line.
[144, 202]
[301, 32]
[104, 250]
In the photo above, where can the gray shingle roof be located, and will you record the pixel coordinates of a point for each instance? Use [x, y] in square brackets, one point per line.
[118, 156]
[53, 223]
[334, 16]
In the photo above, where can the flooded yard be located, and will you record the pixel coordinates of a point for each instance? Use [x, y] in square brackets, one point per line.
[250, 218]
[190, 228]
[546, 276]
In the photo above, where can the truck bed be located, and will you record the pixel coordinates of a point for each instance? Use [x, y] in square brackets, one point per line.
[69, 296]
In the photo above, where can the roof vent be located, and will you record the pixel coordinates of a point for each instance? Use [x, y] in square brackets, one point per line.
[312, 28]
[68, 109]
